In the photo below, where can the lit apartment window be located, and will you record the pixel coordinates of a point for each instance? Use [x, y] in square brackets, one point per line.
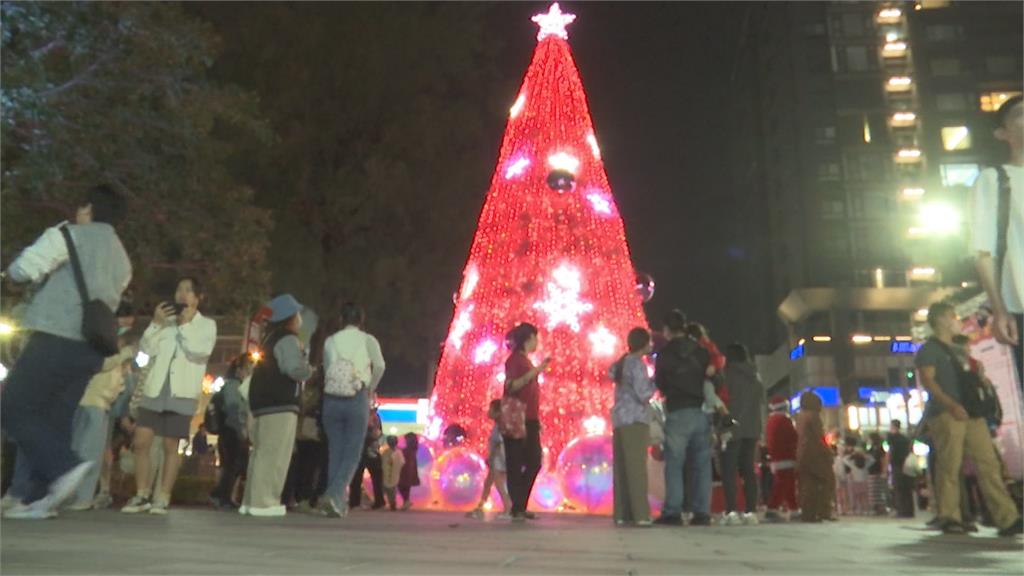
[894, 49]
[889, 16]
[958, 174]
[903, 119]
[892, 36]
[867, 130]
[991, 101]
[899, 84]
[932, 4]
[912, 192]
[922, 273]
[908, 155]
[956, 138]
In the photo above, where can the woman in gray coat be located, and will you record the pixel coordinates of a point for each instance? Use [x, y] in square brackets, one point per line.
[746, 406]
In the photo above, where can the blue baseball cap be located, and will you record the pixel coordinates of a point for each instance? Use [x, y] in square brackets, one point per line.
[284, 307]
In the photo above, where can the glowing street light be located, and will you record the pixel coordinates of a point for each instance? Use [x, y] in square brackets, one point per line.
[7, 327]
[939, 218]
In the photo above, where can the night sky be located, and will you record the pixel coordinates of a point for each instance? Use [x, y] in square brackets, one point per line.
[657, 77]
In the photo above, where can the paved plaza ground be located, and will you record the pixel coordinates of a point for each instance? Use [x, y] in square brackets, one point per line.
[201, 541]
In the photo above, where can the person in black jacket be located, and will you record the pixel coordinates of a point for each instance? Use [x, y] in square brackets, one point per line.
[679, 376]
[274, 394]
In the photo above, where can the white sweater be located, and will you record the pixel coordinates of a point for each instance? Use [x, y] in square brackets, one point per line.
[359, 348]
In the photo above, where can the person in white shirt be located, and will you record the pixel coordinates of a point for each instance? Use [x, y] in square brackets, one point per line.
[1005, 286]
[179, 342]
[43, 389]
[353, 366]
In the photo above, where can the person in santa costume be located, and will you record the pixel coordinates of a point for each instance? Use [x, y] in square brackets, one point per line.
[781, 440]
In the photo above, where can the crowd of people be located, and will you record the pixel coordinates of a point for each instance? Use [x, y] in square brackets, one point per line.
[299, 424]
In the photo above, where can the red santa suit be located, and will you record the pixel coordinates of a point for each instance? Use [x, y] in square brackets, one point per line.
[781, 441]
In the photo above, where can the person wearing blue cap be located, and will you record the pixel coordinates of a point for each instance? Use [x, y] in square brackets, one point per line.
[274, 395]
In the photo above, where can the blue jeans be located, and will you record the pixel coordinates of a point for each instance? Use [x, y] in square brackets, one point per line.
[39, 401]
[687, 433]
[344, 422]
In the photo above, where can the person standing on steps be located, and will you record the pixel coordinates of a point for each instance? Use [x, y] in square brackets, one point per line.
[997, 232]
[179, 342]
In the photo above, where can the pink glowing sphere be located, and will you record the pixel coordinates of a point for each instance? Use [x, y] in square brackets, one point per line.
[585, 468]
[547, 492]
[458, 477]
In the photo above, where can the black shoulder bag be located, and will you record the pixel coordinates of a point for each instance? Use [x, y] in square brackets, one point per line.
[1002, 220]
[99, 324]
[978, 399]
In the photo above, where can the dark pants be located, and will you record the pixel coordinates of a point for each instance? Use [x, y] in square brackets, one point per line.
[405, 491]
[39, 401]
[232, 452]
[903, 494]
[522, 461]
[739, 453]
[355, 489]
[307, 473]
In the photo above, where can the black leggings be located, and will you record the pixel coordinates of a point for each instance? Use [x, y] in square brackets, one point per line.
[522, 460]
[739, 454]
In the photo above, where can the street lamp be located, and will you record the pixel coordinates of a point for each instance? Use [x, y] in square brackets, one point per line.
[7, 328]
[939, 218]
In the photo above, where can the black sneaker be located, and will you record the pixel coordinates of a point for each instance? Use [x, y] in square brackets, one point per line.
[669, 521]
[1012, 530]
[953, 527]
[700, 520]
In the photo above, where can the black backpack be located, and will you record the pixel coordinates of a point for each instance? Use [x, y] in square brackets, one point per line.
[214, 418]
[1002, 220]
[978, 399]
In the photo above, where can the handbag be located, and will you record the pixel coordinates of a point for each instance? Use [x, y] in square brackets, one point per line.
[512, 422]
[99, 324]
[911, 467]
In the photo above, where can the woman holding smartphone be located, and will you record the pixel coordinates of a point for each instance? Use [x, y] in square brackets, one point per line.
[179, 341]
[523, 455]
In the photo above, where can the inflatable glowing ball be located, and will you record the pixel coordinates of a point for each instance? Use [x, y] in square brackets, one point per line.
[457, 478]
[585, 467]
[547, 492]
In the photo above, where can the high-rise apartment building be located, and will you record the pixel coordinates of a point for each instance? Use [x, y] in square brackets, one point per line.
[859, 129]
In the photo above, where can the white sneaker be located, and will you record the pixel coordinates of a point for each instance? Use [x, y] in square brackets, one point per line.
[732, 519]
[39, 510]
[10, 501]
[750, 519]
[503, 516]
[269, 511]
[243, 510]
[62, 488]
[79, 507]
[159, 508]
[137, 504]
[102, 502]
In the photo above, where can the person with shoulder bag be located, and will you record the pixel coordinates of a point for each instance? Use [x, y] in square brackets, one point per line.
[353, 367]
[956, 419]
[631, 431]
[81, 270]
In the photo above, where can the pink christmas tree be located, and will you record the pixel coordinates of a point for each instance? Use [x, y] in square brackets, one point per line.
[550, 249]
